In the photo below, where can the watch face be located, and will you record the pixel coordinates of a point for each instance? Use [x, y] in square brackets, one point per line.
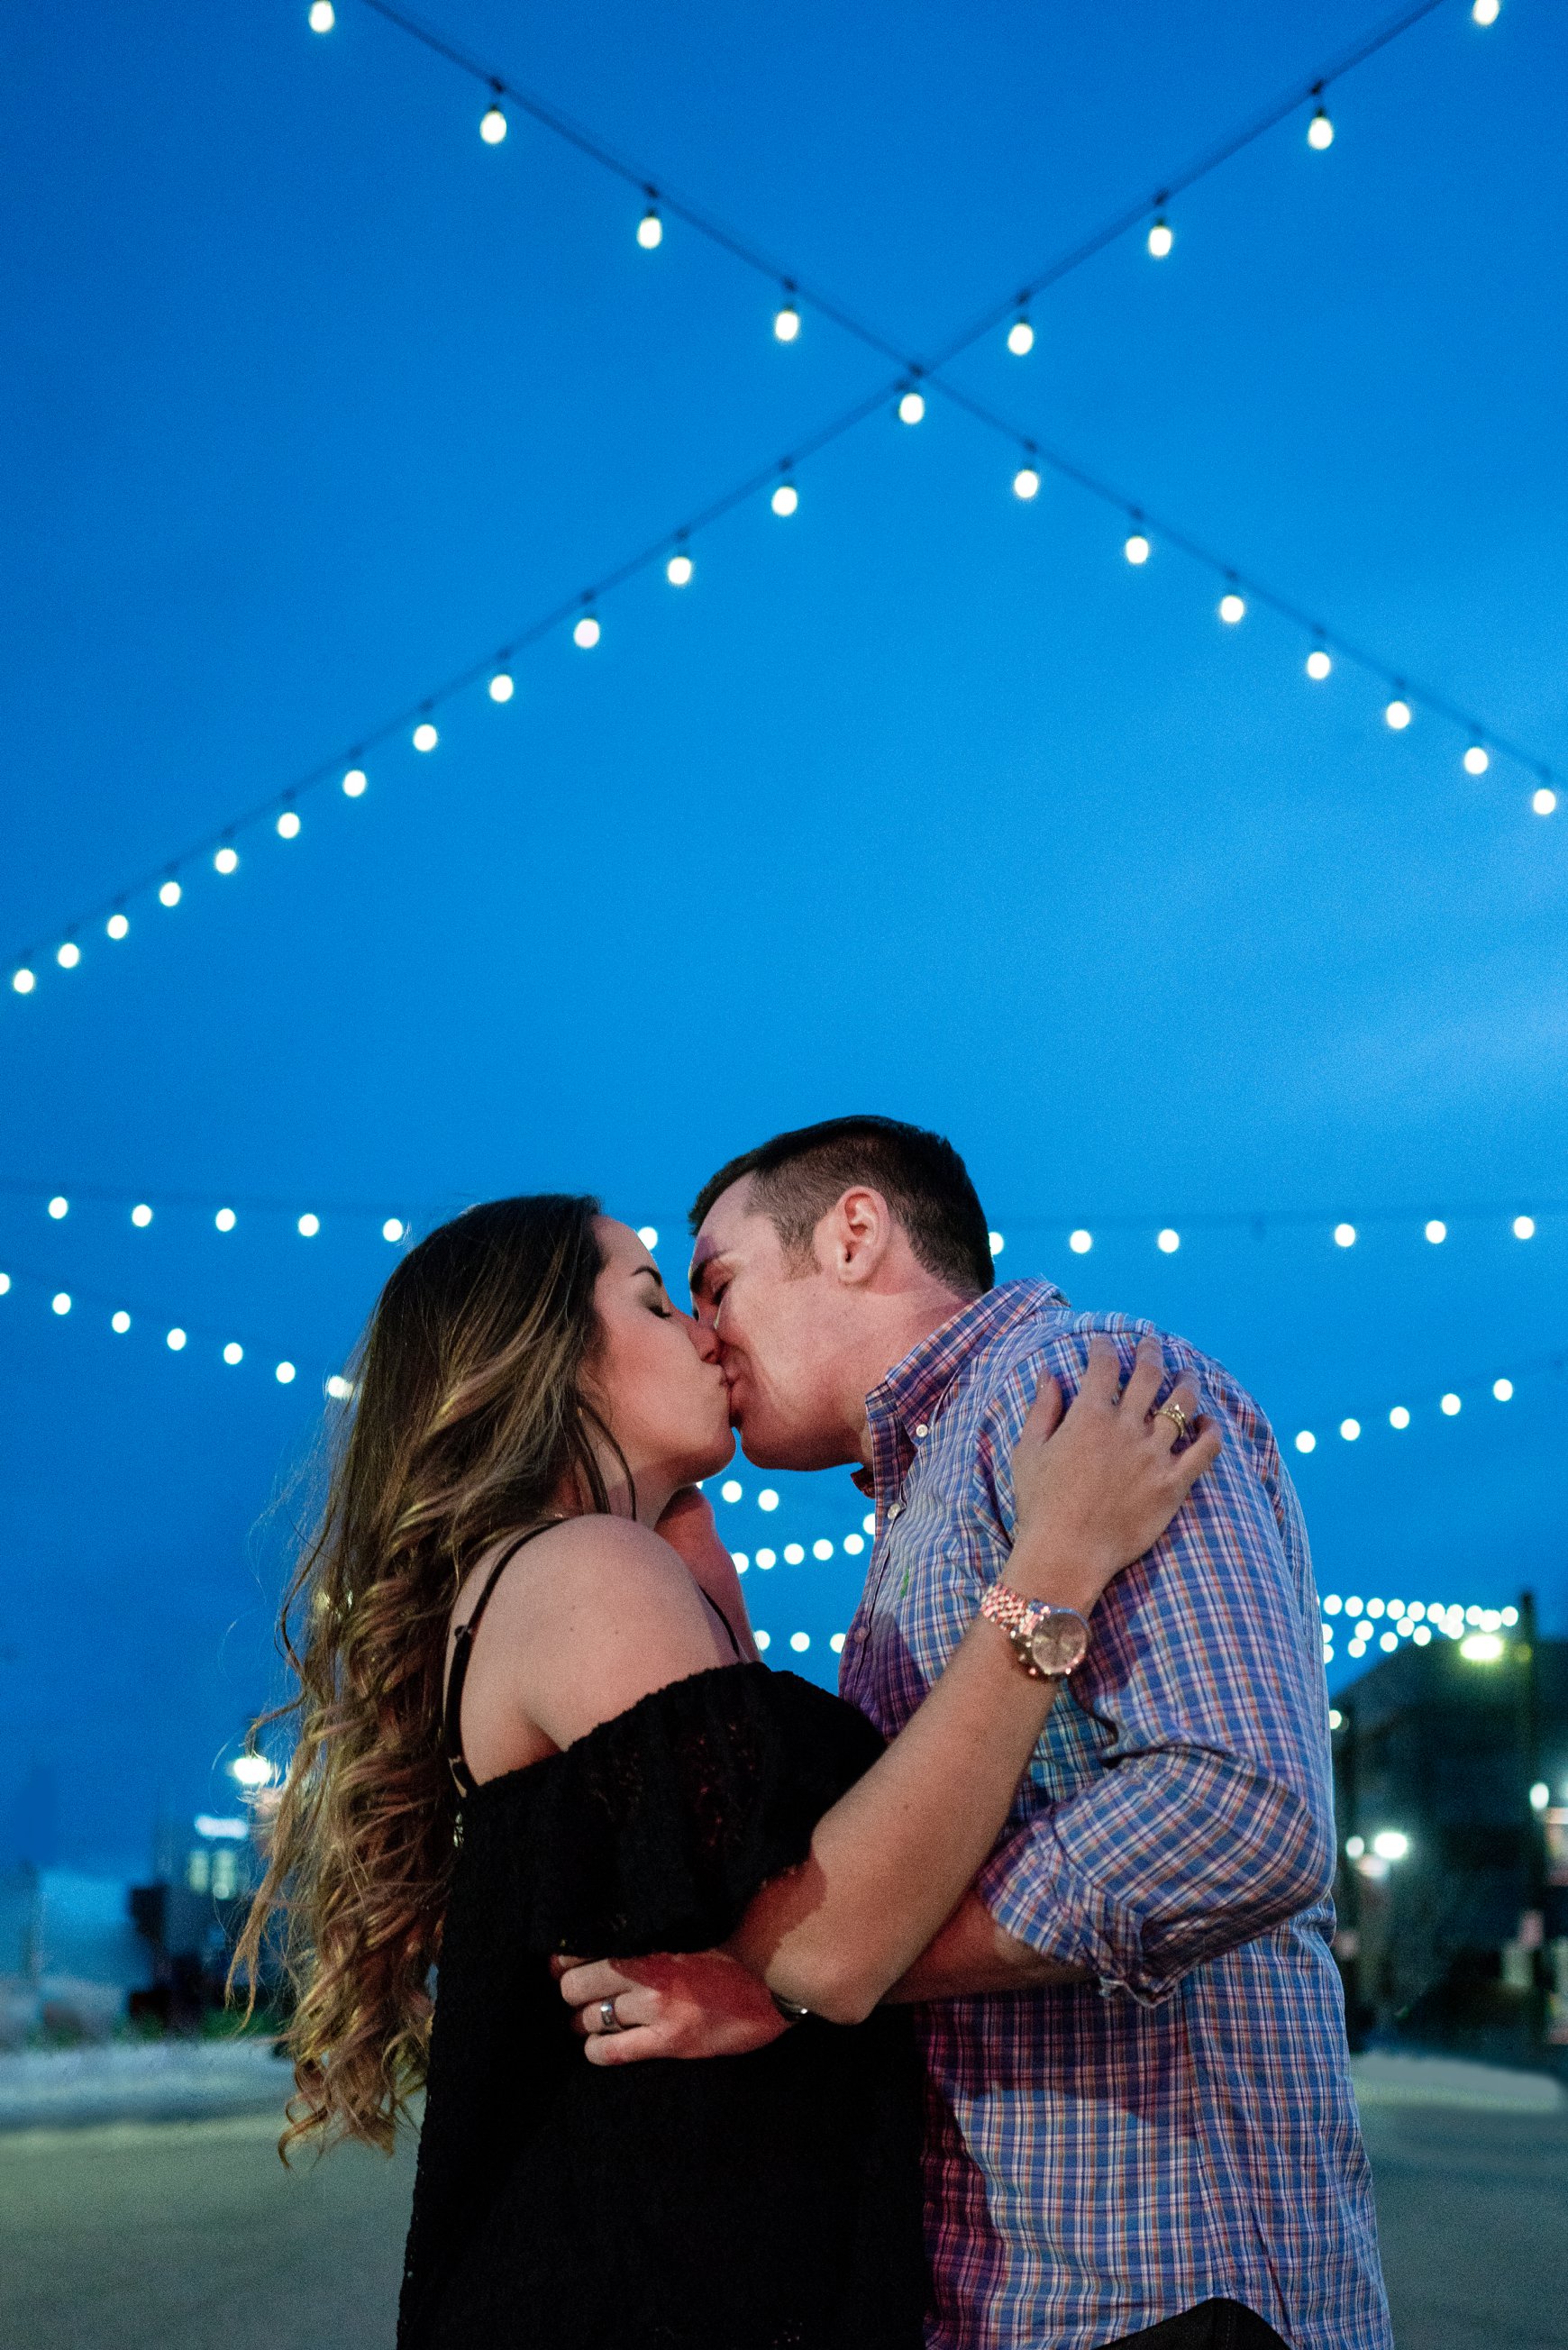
[1060, 1642]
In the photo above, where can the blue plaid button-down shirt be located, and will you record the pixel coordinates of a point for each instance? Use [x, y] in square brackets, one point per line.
[1105, 2153]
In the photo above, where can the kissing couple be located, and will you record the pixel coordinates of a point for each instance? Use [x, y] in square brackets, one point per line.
[989, 2004]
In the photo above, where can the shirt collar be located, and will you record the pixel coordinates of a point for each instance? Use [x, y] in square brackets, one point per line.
[912, 1391]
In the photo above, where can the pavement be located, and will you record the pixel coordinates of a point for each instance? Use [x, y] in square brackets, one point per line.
[190, 2234]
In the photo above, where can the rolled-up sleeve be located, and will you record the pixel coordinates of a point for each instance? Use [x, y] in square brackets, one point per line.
[1208, 1819]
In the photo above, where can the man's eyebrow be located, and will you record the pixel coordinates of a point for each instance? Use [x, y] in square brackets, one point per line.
[697, 1279]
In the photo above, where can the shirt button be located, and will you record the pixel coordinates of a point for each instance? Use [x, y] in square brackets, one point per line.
[920, 1428]
[893, 1512]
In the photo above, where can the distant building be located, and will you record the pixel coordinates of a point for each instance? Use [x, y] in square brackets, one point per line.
[190, 1916]
[1451, 1792]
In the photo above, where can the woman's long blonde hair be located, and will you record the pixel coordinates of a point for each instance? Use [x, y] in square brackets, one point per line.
[469, 1420]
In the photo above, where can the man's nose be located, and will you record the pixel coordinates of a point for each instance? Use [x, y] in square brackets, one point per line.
[704, 1338]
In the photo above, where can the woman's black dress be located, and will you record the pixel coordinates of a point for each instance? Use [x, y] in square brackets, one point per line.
[761, 2202]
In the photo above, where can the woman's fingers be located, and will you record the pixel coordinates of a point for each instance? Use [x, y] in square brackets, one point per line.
[1206, 1443]
[1102, 1377]
[1182, 1399]
[1144, 1380]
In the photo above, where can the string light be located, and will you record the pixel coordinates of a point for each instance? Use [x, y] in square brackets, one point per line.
[1524, 1228]
[120, 1323]
[118, 925]
[786, 319]
[323, 16]
[1136, 548]
[233, 1353]
[1544, 801]
[425, 737]
[1168, 1241]
[24, 981]
[493, 123]
[1503, 1390]
[59, 1208]
[142, 1215]
[307, 1226]
[1399, 1416]
[175, 1341]
[1398, 713]
[1318, 664]
[1027, 483]
[1436, 1231]
[785, 499]
[60, 1302]
[1486, 12]
[170, 894]
[225, 1220]
[1080, 1243]
[1020, 338]
[285, 1374]
[1160, 238]
[995, 1242]
[394, 1229]
[586, 632]
[68, 955]
[1476, 760]
[1320, 129]
[355, 780]
[287, 826]
[226, 861]
[1231, 609]
[651, 228]
[911, 408]
[678, 570]
[1344, 1236]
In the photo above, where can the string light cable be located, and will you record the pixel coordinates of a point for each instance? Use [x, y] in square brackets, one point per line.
[199, 1340]
[169, 879]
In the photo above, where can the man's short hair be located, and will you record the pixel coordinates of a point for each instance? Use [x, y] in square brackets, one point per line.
[800, 1175]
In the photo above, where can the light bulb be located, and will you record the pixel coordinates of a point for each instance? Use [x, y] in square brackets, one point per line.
[142, 1215]
[1306, 1440]
[68, 955]
[1544, 801]
[502, 686]
[492, 126]
[120, 1323]
[1168, 1241]
[1027, 483]
[800, 1642]
[767, 1499]
[284, 1374]
[24, 981]
[822, 1548]
[425, 737]
[354, 783]
[586, 632]
[1436, 1231]
[678, 570]
[1524, 1228]
[1160, 238]
[786, 323]
[911, 408]
[225, 1220]
[59, 1208]
[785, 498]
[1350, 1429]
[60, 1302]
[393, 1229]
[288, 825]
[648, 1236]
[234, 1352]
[175, 1341]
[649, 230]
[227, 861]
[1344, 1236]
[170, 894]
[1504, 1390]
[1399, 1417]
[1318, 664]
[1020, 339]
[1486, 12]
[1399, 714]
[308, 1226]
[1476, 761]
[1449, 1406]
[1231, 609]
[730, 1491]
[1320, 131]
[323, 16]
[794, 1554]
[338, 1388]
[995, 1242]
[1080, 1243]
[118, 925]
[1136, 548]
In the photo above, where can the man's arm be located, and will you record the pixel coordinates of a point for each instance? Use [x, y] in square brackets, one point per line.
[972, 1954]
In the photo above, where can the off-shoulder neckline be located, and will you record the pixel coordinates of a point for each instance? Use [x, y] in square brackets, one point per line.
[530, 1772]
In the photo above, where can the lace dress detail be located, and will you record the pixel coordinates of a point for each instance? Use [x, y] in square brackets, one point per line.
[760, 2202]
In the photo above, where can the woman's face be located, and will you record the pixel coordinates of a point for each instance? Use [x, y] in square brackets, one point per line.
[656, 1371]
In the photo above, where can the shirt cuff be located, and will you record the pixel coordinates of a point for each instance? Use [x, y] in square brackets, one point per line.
[1033, 1893]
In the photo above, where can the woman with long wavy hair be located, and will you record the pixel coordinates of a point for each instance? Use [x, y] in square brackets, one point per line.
[612, 1770]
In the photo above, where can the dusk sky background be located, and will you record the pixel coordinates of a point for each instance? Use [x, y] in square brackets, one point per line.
[922, 800]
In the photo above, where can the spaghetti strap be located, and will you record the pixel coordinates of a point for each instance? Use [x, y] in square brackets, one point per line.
[463, 1643]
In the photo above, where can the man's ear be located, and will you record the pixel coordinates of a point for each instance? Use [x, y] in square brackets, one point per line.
[854, 1236]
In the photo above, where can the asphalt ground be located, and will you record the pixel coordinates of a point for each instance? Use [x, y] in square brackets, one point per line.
[190, 2235]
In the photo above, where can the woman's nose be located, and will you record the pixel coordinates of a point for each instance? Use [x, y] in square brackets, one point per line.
[705, 1340]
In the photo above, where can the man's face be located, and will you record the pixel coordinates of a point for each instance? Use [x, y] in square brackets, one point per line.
[777, 1322]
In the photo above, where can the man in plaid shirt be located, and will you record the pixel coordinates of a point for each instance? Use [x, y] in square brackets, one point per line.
[1139, 2114]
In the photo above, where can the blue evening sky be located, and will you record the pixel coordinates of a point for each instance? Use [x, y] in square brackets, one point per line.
[922, 800]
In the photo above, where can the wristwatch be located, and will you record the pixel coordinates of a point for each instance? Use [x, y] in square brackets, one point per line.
[1049, 1642]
